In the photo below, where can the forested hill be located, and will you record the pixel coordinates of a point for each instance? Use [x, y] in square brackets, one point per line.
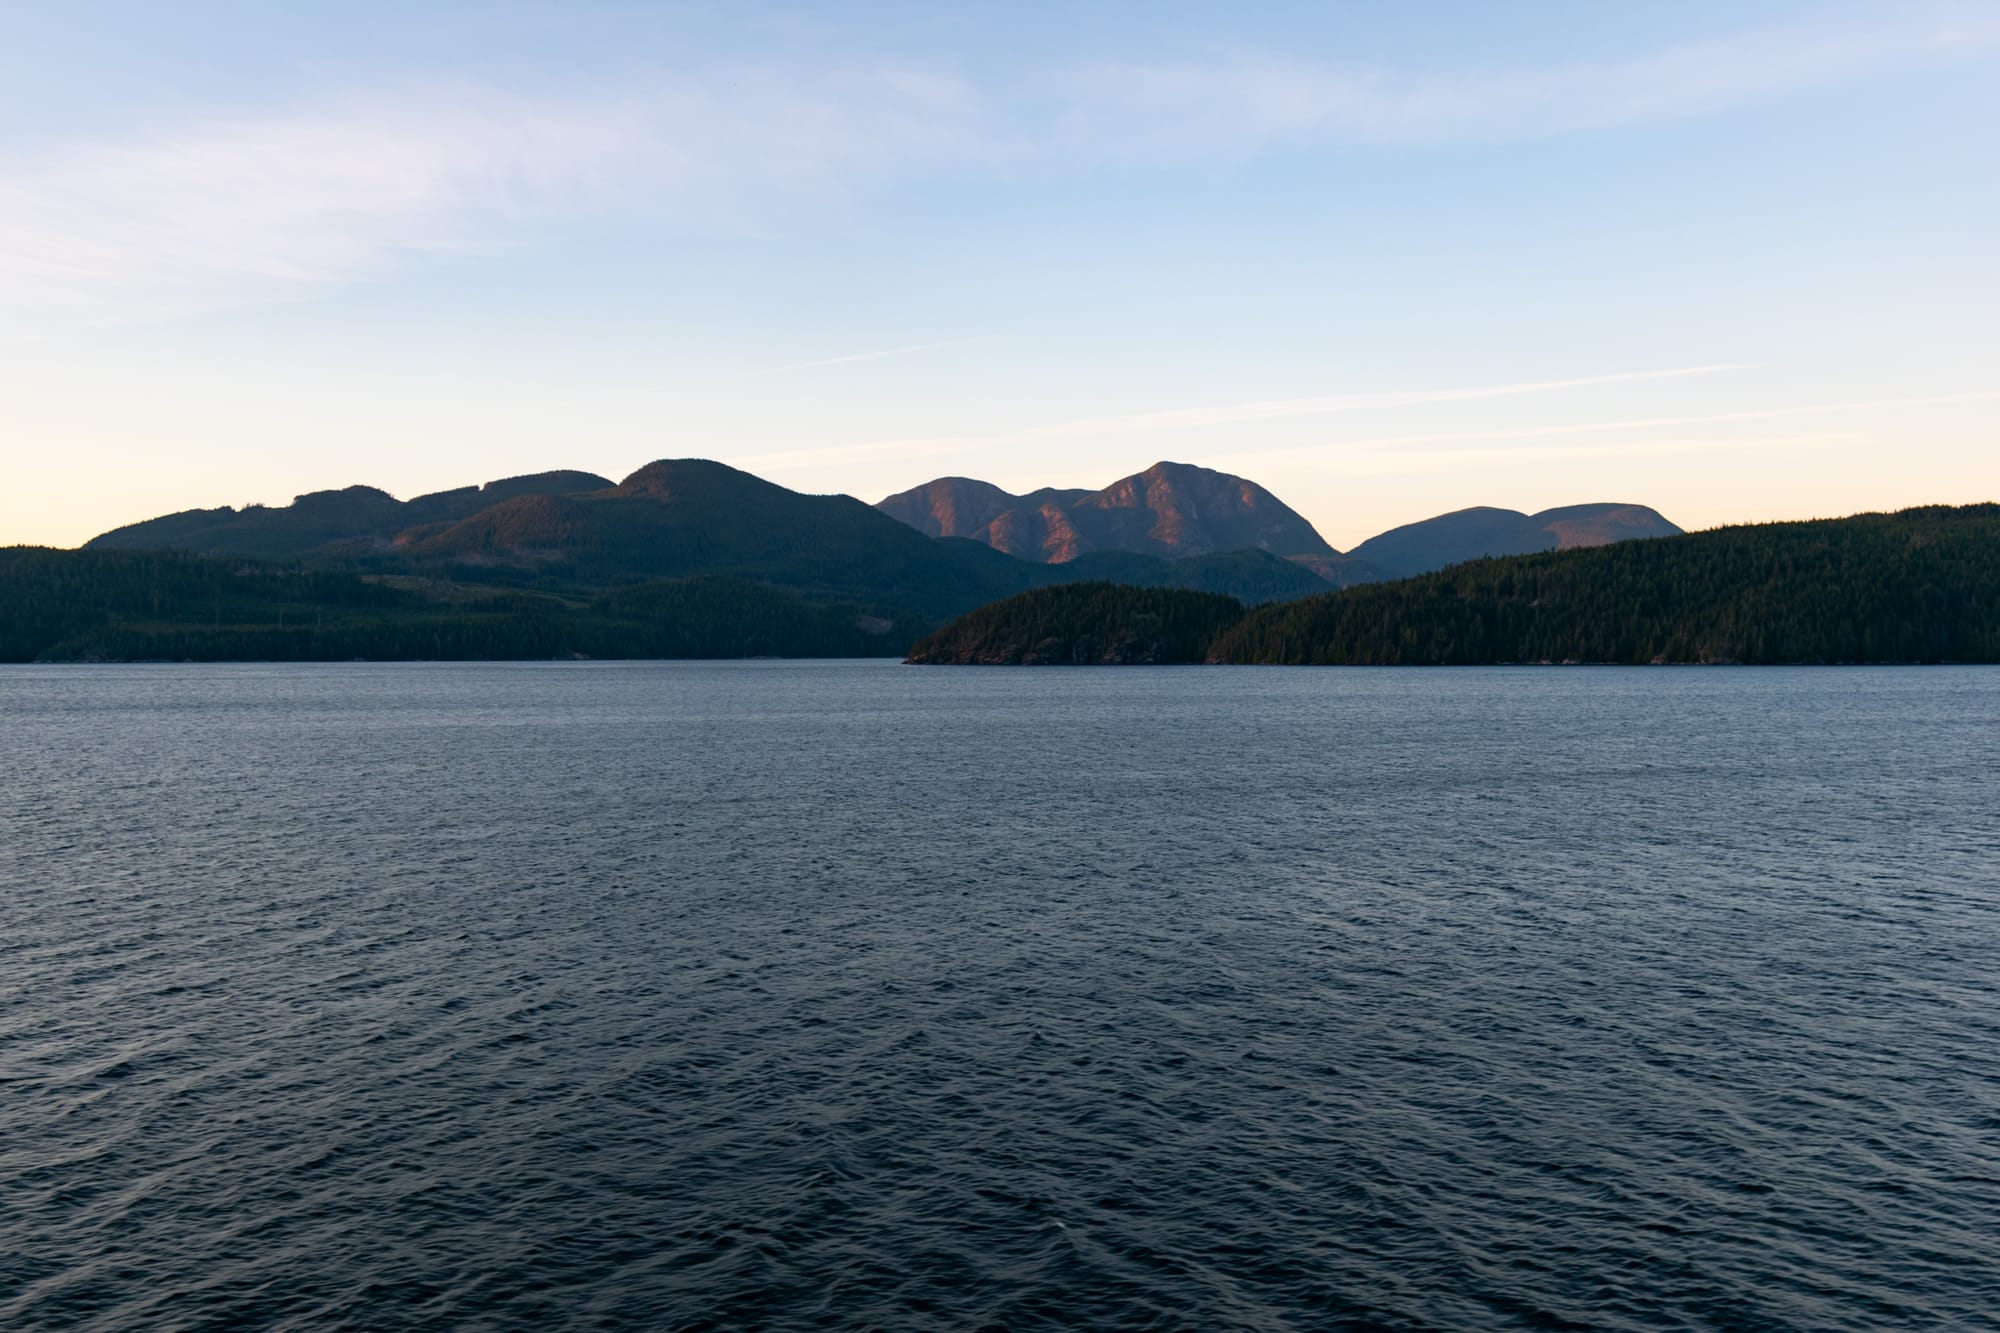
[1922, 585]
[1084, 624]
[137, 605]
[152, 606]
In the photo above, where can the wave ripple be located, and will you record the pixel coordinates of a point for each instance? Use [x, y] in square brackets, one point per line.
[843, 996]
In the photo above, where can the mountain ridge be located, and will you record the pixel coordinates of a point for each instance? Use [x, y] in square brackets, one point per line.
[1169, 509]
[318, 518]
[1179, 508]
[1482, 531]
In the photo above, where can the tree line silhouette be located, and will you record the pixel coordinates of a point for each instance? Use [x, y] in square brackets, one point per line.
[1922, 585]
[113, 605]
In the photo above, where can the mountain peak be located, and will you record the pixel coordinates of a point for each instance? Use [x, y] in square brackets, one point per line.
[691, 478]
[949, 506]
[1602, 524]
[1170, 510]
[1470, 534]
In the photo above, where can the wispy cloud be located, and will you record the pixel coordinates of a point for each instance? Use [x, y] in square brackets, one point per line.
[259, 203]
[886, 352]
[1397, 462]
[1415, 443]
[231, 209]
[1262, 98]
[1272, 409]
[1425, 452]
[1231, 414]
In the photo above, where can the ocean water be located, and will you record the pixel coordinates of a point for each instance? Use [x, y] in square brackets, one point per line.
[850, 995]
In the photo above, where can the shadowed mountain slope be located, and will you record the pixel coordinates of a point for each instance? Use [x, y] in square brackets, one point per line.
[357, 515]
[123, 605]
[1169, 510]
[950, 506]
[572, 532]
[677, 518]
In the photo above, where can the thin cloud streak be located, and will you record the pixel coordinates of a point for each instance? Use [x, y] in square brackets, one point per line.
[1266, 99]
[258, 206]
[265, 203]
[1391, 454]
[1398, 463]
[872, 356]
[883, 450]
[1593, 427]
[1236, 413]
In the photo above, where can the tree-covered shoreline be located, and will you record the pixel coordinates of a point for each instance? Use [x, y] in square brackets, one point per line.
[166, 606]
[1921, 585]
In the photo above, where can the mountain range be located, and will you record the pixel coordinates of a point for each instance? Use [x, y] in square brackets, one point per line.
[1473, 534]
[1178, 509]
[1170, 509]
[322, 521]
[954, 544]
[688, 557]
[573, 533]
[692, 558]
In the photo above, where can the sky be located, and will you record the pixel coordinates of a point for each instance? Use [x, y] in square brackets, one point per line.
[1738, 261]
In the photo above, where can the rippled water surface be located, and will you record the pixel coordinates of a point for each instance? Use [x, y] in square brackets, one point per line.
[800, 995]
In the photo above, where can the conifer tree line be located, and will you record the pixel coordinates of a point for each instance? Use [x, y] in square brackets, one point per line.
[164, 606]
[1085, 624]
[1922, 585]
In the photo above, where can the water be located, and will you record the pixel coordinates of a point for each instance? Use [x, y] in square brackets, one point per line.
[807, 995]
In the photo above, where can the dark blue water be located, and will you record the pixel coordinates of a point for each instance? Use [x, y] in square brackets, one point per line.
[788, 995]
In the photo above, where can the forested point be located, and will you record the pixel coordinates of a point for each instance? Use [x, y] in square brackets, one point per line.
[1084, 624]
[1921, 585]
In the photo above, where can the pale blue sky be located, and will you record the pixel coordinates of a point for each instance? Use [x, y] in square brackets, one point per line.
[1738, 261]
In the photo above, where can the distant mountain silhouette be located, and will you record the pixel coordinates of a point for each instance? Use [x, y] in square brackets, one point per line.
[1169, 510]
[913, 561]
[573, 533]
[1468, 534]
[313, 522]
[679, 518]
[1175, 509]
[693, 558]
